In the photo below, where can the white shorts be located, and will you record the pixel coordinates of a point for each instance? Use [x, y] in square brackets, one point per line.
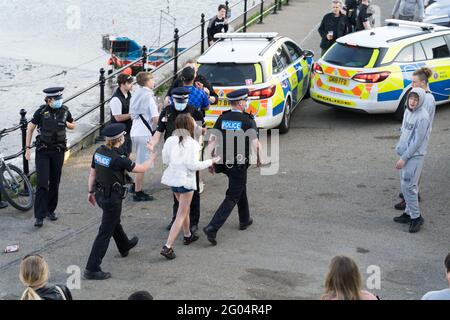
[140, 147]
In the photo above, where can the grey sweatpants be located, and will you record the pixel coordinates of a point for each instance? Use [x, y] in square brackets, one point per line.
[409, 180]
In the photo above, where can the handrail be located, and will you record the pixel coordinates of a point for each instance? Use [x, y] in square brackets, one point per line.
[102, 80]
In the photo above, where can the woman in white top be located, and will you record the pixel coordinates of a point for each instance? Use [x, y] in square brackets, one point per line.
[181, 153]
[142, 104]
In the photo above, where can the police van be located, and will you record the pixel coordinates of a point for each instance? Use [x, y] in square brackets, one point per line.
[371, 71]
[274, 69]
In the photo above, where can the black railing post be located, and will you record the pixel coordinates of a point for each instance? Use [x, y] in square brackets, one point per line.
[280, 3]
[261, 12]
[245, 16]
[102, 97]
[23, 128]
[144, 58]
[176, 38]
[203, 22]
[275, 7]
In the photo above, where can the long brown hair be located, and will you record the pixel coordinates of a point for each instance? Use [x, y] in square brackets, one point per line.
[184, 125]
[343, 281]
[33, 275]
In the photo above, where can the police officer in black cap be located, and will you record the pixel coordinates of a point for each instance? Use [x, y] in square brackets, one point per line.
[106, 184]
[166, 126]
[52, 119]
[239, 134]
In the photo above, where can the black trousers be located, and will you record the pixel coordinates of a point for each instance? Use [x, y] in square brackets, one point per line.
[194, 214]
[110, 227]
[49, 165]
[235, 195]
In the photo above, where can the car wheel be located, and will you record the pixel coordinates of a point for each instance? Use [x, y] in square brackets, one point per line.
[401, 108]
[308, 94]
[285, 122]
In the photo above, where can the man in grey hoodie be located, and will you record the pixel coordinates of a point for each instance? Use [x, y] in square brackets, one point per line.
[406, 9]
[412, 148]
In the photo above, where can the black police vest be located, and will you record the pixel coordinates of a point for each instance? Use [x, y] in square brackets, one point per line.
[52, 128]
[106, 176]
[125, 108]
[172, 115]
[233, 122]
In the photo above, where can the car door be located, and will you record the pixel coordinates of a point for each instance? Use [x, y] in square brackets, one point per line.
[300, 72]
[437, 52]
[280, 66]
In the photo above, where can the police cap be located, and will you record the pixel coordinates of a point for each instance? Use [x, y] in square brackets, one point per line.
[114, 131]
[54, 92]
[180, 94]
[237, 95]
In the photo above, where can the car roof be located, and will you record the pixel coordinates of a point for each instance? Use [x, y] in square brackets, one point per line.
[238, 51]
[388, 36]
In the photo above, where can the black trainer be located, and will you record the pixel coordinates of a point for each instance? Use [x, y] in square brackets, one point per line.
[133, 242]
[99, 275]
[188, 240]
[415, 224]
[404, 218]
[210, 234]
[39, 223]
[3, 204]
[168, 253]
[142, 196]
[401, 205]
[243, 226]
[194, 228]
[52, 216]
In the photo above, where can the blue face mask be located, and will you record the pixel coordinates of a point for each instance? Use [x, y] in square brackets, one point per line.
[57, 104]
[180, 106]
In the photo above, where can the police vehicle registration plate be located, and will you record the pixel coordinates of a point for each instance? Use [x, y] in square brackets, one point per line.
[223, 103]
[337, 80]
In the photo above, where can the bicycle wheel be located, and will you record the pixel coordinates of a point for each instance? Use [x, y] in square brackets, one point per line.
[16, 188]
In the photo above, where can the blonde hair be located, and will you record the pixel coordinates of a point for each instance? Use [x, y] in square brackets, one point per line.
[343, 280]
[33, 275]
[110, 143]
[143, 77]
[424, 74]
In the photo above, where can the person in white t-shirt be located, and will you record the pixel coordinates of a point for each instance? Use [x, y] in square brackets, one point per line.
[441, 294]
[144, 113]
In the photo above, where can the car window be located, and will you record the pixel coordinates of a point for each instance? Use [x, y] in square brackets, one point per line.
[406, 55]
[280, 60]
[294, 51]
[436, 48]
[231, 74]
[349, 56]
[419, 54]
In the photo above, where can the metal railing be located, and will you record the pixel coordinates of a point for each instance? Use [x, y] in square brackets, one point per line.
[275, 5]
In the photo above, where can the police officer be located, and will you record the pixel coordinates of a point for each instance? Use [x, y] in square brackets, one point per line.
[52, 119]
[106, 184]
[239, 133]
[166, 126]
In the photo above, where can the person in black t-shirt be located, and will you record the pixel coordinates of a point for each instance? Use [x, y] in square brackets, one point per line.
[239, 134]
[217, 24]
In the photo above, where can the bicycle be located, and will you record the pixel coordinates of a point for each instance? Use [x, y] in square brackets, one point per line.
[14, 184]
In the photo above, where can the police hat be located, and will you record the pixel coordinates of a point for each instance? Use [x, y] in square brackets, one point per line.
[114, 131]
[55, 92]
[180, 94]
[237, 95]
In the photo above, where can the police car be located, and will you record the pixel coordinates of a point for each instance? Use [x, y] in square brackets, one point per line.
[371, 71]
[274, 69]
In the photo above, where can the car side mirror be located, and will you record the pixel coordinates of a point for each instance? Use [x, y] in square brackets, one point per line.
[308, 53]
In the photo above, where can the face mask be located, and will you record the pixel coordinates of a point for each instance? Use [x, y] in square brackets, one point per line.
[57, 104]
[180, 106]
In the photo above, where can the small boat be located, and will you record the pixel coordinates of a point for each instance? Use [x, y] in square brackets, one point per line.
[124, 50]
